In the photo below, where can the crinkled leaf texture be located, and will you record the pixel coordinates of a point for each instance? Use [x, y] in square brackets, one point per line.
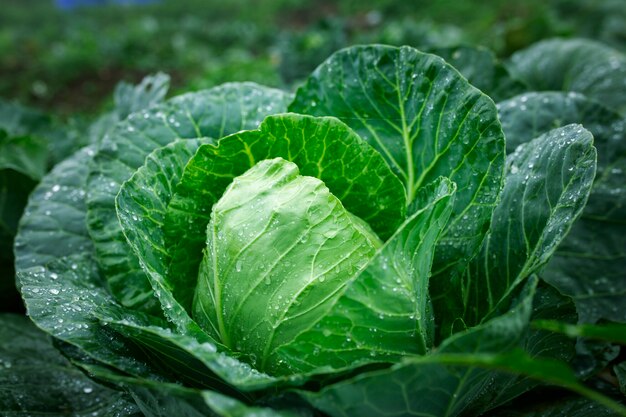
[427, 121]
[590, 262]
[465, 370]
[36, 380]
[212, 113]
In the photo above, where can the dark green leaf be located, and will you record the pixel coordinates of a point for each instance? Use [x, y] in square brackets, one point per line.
[131, 98]
[568, 406]
[53, 224]
[483, 70]
[620, 373]
[610, 332]
[589, 264]
[24, 154]
[193, 360]
[63, 298]
[35, 380]
[427, 121]
[581, 65]
[529, 115]
[158, 399]
[548, 304]
[431, 385]
[362, 397]
[546, 188]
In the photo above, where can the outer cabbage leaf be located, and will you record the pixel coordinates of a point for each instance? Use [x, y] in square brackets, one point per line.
[63, 297]
[538, 343]
[427, 385]
[212, 113]
[548, 304]
[546, 188]
[23, 161]
[581, 65]
[131, 98]
[56, 273]
[427, 121]
[456, 379]
[483, 70]
[589, 264]
[53, 224]
[36, 380]
[157, 399]
[528, 115]
[127, 99]
[193, 360]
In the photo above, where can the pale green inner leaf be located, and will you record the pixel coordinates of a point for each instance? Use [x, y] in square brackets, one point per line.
[280, 249]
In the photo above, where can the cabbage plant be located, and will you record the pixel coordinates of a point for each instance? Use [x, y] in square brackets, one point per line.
[364, 247]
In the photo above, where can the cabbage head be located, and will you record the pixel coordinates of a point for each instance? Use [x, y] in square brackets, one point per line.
[364, 247]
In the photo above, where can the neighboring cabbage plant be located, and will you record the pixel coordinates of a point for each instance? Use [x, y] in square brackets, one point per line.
[362, 248]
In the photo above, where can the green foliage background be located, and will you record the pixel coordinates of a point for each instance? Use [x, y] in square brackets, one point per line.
[70, 61]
